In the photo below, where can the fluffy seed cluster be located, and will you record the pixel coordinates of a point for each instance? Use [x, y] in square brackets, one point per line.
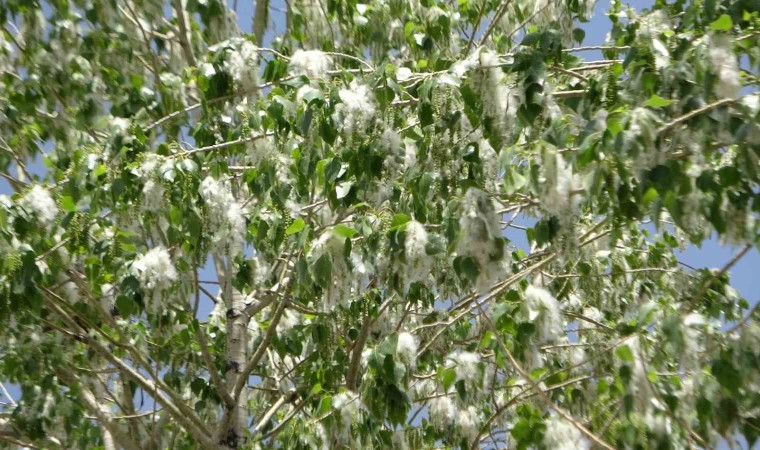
[499, 104]
[654, 23]
[562, 435]
[242, 64]
[418, 262]
[312, 63]
[226, 220]
[348, 404]
[480, 237]
[468, 422]
[152, 169]
[490, 160]
[155, 269]
[724, 66]
[466, 365]
[392, 146]
[153, 194]
[331, 246]
[406, 348]
[289, 320]
[543, 310]
[445, 415]
[39, 202]
[442, 412]
[561, 191]
[357, 108]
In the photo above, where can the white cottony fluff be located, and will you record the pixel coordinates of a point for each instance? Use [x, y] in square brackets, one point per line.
[153, 195]
[392, 145]
[418, 262]
[724, 66]
[562, 435]
[640, 385]
[149, 164]
[468, 422]
[288, 320]
[154, 269]
[242, 64]
[410, 156]
[423, 388]
[480, 237]
[577, 356]
[466, 365]
[347, 403]
[406, 348]
[543, 310]
[357, 108]
[39, 202]
[490, 161]
[654, 23]
[443, 413]
[332, 246]
[226, 218]
[494, 92]
[391, 141]
[593, 314]
[312, 63]
[561, 190]
[398, 440]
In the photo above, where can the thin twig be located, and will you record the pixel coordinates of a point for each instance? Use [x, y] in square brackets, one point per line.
[496, 18]
[223, 145]
[707, 108]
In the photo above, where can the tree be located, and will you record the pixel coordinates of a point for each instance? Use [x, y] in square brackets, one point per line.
[346, 200]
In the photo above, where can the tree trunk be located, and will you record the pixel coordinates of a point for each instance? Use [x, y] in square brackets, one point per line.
[260, 21]
[235, 422]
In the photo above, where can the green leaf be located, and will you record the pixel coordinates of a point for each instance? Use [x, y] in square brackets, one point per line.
[724, 23]
[448, 378]
[314, 95]
[325, 405]
[625, 353]
[323, 271]
[655, 101]
[197, 385]
[435, 245]
[727, 375]
[344, 231]
[649, 196]
[486, 340]
[295, 227]
[398, 220]
[521, 430]
[67, 203]
[126, 306]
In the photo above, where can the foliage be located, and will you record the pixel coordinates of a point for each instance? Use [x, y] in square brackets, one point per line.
[347, 198]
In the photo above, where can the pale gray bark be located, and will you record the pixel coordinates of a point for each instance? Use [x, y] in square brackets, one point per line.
[260, 21]
[232, 430]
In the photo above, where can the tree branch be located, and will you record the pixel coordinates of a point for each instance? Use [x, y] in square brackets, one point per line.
[260, 20]
[187, 49]
[104, 417]
[707, 108]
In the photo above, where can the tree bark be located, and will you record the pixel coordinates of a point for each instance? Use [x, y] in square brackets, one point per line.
[235, 418]
[260, 21]
[184, 36]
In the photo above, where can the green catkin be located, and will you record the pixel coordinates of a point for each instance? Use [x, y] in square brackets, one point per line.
[611, 93]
